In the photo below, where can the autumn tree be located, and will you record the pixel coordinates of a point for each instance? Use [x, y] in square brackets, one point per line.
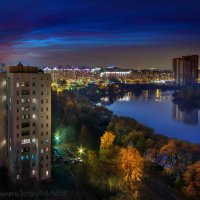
[131, 165]
[175, 156]
[107, 140]
[136, 139]
[191, 179]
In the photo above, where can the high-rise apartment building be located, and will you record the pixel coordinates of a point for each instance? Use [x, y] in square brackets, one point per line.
[28, 122]
[185, 70]
[2, 119]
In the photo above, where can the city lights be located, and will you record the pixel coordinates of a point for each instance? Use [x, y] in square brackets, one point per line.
[103, 102]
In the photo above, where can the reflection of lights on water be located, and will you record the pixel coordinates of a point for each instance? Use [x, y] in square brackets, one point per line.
[146, 94]
[158, 95]
[126, 97]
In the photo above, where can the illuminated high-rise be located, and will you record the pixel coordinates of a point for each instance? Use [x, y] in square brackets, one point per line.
[28, 117]
[185, 70]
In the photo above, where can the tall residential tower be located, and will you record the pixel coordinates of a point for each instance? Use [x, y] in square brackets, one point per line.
[28, 133]
[185, 70]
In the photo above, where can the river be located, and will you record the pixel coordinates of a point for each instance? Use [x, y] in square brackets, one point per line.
[155, 109]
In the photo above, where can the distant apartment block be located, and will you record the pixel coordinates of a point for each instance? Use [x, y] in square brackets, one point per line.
[185, 70]
[26, 111]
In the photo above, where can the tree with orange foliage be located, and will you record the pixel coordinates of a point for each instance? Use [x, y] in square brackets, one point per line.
[131, 164]
[191, 179]
[175, 156]
[107, 140]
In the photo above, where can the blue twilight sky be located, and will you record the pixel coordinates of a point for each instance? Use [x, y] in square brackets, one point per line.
[125, 33]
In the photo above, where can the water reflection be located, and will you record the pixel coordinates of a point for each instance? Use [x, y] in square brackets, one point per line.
[187, 116]
[157, 110]
[155, 95]
[126, 97]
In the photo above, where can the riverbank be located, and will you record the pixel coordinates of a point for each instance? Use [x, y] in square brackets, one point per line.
[115, 90]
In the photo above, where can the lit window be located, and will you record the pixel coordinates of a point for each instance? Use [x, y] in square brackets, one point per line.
[3, 98]
[34, 140]
[3, 83]
[33, 172]
[17, 84]
[17, 176]
[34, 100]
[47, 173]
[42, 151]
[47, 149]
[25, 141]
[34, 116]
[33, 157]
[25, 84]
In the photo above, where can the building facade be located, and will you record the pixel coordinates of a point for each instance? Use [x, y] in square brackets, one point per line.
[185, 70]
[28, 123]
[2, 119]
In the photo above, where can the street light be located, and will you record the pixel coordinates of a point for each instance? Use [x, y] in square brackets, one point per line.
[81, 150]
[57, 138]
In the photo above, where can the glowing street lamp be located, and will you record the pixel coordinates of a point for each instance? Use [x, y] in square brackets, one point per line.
[81, 151]
[57, 138]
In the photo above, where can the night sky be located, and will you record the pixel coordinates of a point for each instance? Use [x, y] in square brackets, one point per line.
[126, 33]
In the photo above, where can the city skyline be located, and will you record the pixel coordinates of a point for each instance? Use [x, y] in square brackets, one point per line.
[123, 33]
